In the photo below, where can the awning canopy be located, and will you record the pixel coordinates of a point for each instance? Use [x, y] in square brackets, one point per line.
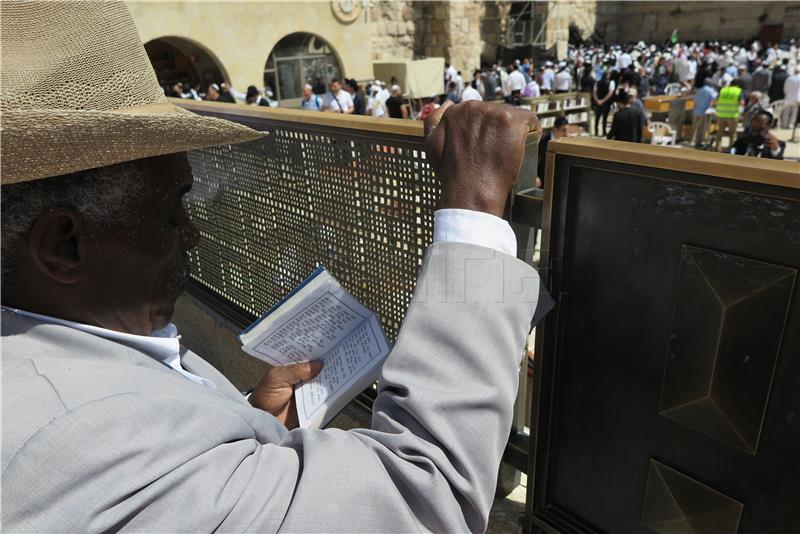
[419, 78]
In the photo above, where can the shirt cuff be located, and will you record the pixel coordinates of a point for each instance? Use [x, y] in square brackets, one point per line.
[474, 228]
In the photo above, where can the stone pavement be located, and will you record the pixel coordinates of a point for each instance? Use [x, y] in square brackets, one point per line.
[792, 151]
[507, 514]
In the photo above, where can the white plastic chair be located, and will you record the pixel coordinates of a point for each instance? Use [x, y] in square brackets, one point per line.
[661, 134]
[673, 89]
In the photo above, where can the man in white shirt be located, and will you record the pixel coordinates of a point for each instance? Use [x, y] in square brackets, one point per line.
[375, 107]
[772, 55]
[450, 74]
[791, 93]
[624, 60]
[563, 79]
[504, 82]
[548, 77]
[516, 83]
[516, 80]
[471, 93]
[459, 83]
[383, 93]
[337, 100]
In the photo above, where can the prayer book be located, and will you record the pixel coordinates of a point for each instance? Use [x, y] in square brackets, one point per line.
[320, 320]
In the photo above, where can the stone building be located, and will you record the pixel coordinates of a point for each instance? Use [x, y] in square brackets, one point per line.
[285, 44]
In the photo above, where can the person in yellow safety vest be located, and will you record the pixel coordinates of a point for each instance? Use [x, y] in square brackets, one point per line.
[728, 102]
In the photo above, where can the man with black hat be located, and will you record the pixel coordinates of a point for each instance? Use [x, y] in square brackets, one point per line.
[779, 75]
[254, 98]
[357, 94]
[628, 122]
[759, 142]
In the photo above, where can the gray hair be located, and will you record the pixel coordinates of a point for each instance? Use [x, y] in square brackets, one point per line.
[102, 195]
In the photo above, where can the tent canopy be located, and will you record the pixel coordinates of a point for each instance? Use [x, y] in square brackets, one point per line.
[419, 78]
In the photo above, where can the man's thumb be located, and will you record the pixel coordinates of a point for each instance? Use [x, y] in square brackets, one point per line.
[302, 371]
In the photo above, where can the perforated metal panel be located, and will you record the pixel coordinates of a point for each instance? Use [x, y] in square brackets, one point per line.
[270, 211]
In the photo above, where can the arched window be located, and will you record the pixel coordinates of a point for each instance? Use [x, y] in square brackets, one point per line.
[297, 59]
[176, 59]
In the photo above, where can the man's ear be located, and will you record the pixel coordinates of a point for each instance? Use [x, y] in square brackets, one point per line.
[54, 245]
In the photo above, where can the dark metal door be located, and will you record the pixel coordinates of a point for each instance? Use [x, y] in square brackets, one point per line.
[669, 374]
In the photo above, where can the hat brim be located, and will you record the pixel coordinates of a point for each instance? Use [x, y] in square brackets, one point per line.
[39, 143]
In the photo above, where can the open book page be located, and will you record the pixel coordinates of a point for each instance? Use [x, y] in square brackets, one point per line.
[348, 368]
[306, 325]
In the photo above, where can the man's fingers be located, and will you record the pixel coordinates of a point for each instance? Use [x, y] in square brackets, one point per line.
[292, 374]
[432, 120]
[305, 371]
[533, 122]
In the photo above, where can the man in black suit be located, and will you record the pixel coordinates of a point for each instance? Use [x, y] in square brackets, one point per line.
[254, 97]
[779, 75]
[760, 143]
[629, 122]
[558, 131]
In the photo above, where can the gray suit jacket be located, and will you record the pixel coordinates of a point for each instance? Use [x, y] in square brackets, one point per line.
[97, 436]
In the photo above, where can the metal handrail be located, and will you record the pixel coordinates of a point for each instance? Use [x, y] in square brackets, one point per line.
[243, 112]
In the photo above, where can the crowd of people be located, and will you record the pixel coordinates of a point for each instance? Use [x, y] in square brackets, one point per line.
[345, 96]
[722, 76]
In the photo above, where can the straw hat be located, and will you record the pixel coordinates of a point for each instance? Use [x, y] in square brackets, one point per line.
[78, 92]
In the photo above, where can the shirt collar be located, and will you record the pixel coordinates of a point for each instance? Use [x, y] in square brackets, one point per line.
[163, 345]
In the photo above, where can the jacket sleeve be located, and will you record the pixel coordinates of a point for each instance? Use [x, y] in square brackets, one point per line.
[168, 463]
[444, 409]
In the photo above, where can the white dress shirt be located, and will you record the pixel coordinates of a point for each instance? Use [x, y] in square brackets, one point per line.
[547, 79]
[338, 103]
[450, 225]
[563, 81]
[505, 82]
[791, 88]
[470, 94]
[474, 228]
[516, 80]
[162, 345]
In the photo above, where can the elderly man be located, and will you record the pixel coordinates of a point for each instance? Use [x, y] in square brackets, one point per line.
[109, 424]
[310, 101]
[758, 141]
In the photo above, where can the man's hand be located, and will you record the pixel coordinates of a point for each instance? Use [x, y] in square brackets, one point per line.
[275, 392]
[772, 142]
[476, 149]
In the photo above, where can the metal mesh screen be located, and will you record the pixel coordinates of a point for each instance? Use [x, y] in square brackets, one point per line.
[270, 211]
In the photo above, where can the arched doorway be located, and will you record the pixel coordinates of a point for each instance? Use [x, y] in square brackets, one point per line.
[176, 59]
[297, 59]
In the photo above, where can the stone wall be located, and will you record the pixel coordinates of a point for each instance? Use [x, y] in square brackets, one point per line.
[624, 21]
[582, 14]
[493, 28]
[465, 45]
[655, 21]
[393, 24]
[242, 34]
[455, 30]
